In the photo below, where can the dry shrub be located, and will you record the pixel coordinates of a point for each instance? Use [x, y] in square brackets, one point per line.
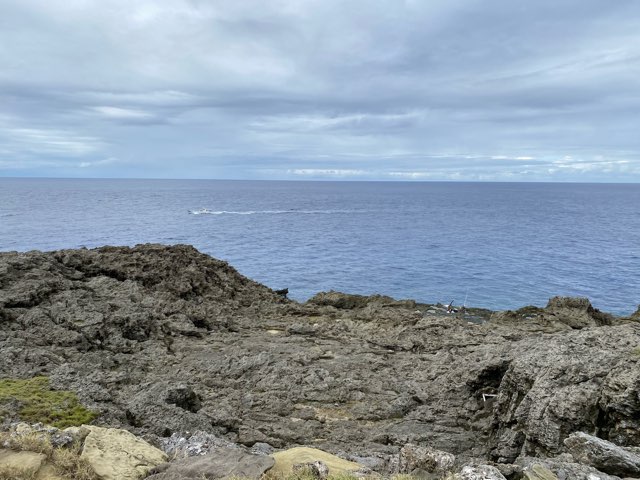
[30, 442]
[66, 461]
[69, 464]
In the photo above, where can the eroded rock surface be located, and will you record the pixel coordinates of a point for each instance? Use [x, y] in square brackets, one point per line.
[224, 463]
[165, 340]
[605, 456]
[288, 461]
[118, 455]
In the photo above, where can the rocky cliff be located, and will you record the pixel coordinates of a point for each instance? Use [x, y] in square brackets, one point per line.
[162, 340]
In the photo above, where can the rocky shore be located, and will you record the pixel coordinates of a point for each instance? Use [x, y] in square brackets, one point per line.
[184, 352]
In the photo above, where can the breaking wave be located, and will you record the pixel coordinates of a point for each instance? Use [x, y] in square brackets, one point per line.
[206, 211]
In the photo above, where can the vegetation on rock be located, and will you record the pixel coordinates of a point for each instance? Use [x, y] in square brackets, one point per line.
[39, 403]
[65, 461]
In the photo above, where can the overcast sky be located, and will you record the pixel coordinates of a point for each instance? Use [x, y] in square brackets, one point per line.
[542, 90]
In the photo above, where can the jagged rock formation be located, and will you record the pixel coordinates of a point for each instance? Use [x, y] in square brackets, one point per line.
[163, 340]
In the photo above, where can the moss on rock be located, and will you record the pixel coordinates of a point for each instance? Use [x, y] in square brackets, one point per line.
[39, 403]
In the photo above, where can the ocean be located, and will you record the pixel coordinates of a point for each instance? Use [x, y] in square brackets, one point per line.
[497, 245]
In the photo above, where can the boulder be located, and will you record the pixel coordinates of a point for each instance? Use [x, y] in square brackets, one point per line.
[345, 301]
[224, 463]
[23, 461]
[286, 459]
[578, 381]
[119, 455]
[414, 457]
[577, 312]
[563, 467]
[603, 455]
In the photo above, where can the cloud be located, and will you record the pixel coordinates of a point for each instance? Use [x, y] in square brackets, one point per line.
[326, 172]
[455, 89]
[122, 113]
[98, 163]
[45, 141]
[128, 115]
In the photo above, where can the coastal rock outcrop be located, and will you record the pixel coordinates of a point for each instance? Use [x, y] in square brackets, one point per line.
[163, 340]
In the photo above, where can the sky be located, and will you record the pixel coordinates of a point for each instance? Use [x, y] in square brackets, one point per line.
[469, 90]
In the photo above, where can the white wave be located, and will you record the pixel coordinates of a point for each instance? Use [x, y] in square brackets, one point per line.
[206, 211]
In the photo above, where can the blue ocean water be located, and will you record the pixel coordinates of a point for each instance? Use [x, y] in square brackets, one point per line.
[500, 245]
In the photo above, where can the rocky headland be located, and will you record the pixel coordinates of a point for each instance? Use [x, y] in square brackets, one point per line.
[181, 350]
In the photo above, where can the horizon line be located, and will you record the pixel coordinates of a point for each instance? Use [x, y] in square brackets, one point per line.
[322, 180]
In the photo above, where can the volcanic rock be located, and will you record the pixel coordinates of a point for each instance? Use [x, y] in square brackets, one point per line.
[603, 455]
[562, 467]
[164, 340]
[224, 463]
[419, 458]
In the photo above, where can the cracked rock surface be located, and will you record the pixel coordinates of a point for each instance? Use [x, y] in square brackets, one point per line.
[162, 340]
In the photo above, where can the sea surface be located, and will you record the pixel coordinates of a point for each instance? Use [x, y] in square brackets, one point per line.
[497, 245]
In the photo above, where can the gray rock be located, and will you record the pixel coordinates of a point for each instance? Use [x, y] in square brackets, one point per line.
[261, 448]
[577, 312]
[581, 380]
[386, 464]
[224, 463]
[165, 408]
[562, 468]
[603, 455]
[414, 457]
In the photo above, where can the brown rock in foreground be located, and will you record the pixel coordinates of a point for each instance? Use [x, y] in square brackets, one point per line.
[165, 339]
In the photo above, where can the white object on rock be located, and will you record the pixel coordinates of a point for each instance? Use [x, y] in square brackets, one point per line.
[480, 472]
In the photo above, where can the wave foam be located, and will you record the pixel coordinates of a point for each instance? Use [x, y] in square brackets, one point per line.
[206, 211]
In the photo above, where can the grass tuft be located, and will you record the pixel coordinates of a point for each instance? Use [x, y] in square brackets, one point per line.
[69, 464]
[66, 461]
[39, 403]
[31, 442]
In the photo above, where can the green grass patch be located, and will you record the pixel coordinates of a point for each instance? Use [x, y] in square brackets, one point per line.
[39, 403]
[636, 351]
